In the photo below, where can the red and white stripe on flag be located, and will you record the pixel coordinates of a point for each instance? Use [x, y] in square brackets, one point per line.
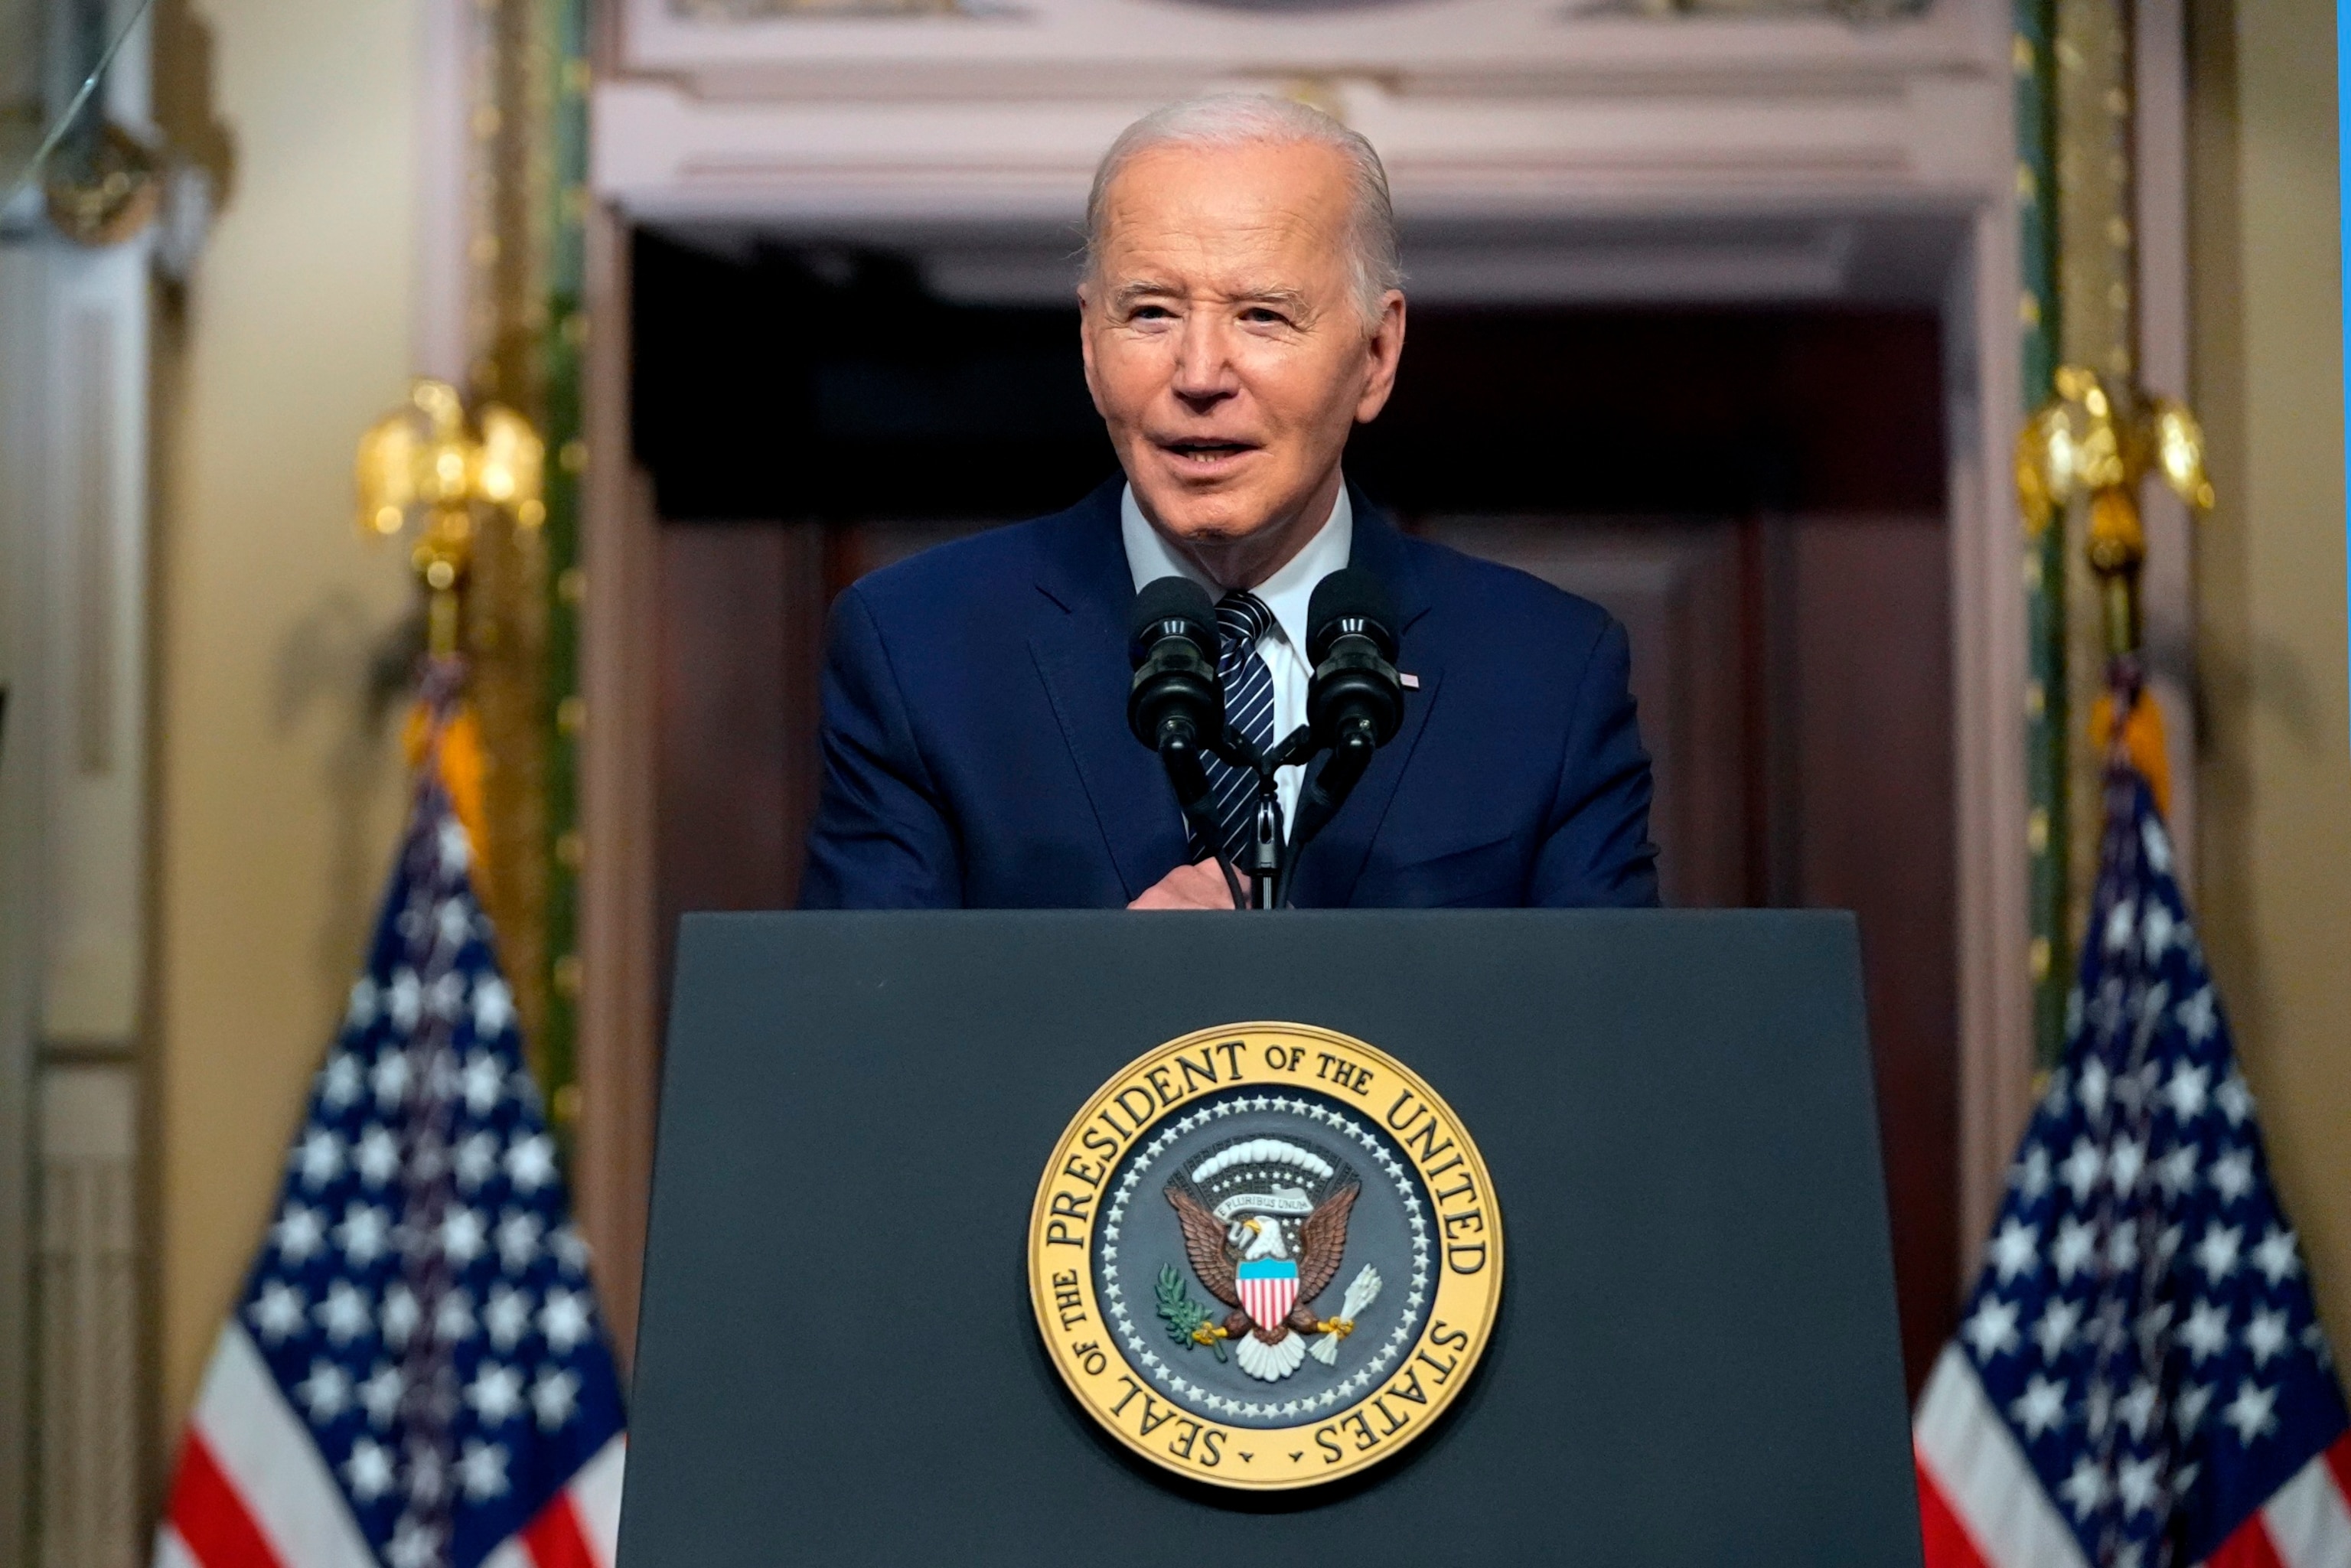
[1268, 1300]
[253, 1491]
[1981, 1506]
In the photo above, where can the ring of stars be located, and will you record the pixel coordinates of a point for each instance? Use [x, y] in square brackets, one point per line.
[1148, 1360]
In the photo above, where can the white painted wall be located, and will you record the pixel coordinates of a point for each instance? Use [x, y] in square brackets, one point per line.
[278, 795]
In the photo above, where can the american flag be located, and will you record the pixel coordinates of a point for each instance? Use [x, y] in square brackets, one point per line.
[416, 1376]
[2139, 1378]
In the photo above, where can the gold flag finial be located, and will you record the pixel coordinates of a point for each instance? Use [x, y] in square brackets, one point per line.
[426, 468]
[2095, 441]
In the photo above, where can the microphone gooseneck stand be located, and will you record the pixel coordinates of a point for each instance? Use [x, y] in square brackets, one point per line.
[1353, 705]
[1180, 754]
[1176, 706]
[1272, 855]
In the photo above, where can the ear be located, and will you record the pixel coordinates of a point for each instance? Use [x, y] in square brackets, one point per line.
[1382, 351]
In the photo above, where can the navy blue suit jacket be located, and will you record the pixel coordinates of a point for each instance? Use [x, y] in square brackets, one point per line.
[976, 754]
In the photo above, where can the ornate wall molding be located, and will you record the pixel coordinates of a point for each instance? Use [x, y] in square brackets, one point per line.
[752, 10]
[1152, 49]
[502, 153]
[90, 1370]
[1845, 10]
[76, 410]
[2098, 278]
[1842, 10]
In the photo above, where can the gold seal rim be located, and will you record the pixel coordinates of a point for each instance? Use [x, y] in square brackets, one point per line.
[1396, 1439]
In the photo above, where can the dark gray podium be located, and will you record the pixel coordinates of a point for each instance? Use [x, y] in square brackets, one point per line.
[1695, 1360]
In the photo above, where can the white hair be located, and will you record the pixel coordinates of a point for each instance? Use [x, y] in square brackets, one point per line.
[1242, 119]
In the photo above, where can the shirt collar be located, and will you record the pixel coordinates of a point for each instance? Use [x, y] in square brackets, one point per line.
[1286, 593]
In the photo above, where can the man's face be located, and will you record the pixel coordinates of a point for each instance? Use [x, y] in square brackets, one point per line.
[1225, 349]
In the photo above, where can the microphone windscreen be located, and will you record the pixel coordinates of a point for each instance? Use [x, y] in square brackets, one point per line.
[1349, 595]
[1171, 598]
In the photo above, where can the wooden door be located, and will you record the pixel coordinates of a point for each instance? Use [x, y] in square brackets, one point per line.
[742, 643]
[1793, 683]
[1675, 585]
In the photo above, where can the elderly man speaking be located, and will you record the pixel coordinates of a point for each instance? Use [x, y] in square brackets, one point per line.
[1240, 315]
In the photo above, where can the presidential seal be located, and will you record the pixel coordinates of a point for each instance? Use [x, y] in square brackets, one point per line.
[1264, 1256]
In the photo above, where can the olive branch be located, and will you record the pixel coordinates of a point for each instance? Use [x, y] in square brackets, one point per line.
[1183, 1316]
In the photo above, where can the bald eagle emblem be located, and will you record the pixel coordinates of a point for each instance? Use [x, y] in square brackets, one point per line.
[1265, 1227]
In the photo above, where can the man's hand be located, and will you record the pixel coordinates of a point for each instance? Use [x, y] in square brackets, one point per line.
[1198, 886]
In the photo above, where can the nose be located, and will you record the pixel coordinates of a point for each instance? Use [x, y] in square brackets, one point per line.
[1204, 375]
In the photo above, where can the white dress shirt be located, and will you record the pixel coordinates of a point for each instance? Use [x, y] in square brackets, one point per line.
[1286, 593]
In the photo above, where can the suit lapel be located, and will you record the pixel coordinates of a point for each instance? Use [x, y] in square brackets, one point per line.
[1078, 645]
[1329, 869]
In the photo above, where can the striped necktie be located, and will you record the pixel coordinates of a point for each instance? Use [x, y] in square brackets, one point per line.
[1241, 619]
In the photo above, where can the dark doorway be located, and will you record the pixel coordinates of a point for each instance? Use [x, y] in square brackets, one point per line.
[1757, 494]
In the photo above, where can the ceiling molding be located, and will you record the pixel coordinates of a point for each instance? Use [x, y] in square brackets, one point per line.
[1161, 48]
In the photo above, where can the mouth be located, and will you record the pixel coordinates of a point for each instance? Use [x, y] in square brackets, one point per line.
[1204, 454]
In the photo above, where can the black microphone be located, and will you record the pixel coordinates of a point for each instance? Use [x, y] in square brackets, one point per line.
[1355, 700]
[1175, 706]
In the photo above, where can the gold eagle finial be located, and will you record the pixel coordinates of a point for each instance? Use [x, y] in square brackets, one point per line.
[426, 466]
[2096, 441]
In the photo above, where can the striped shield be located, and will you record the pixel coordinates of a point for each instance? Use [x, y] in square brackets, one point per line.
[1269, 1290]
